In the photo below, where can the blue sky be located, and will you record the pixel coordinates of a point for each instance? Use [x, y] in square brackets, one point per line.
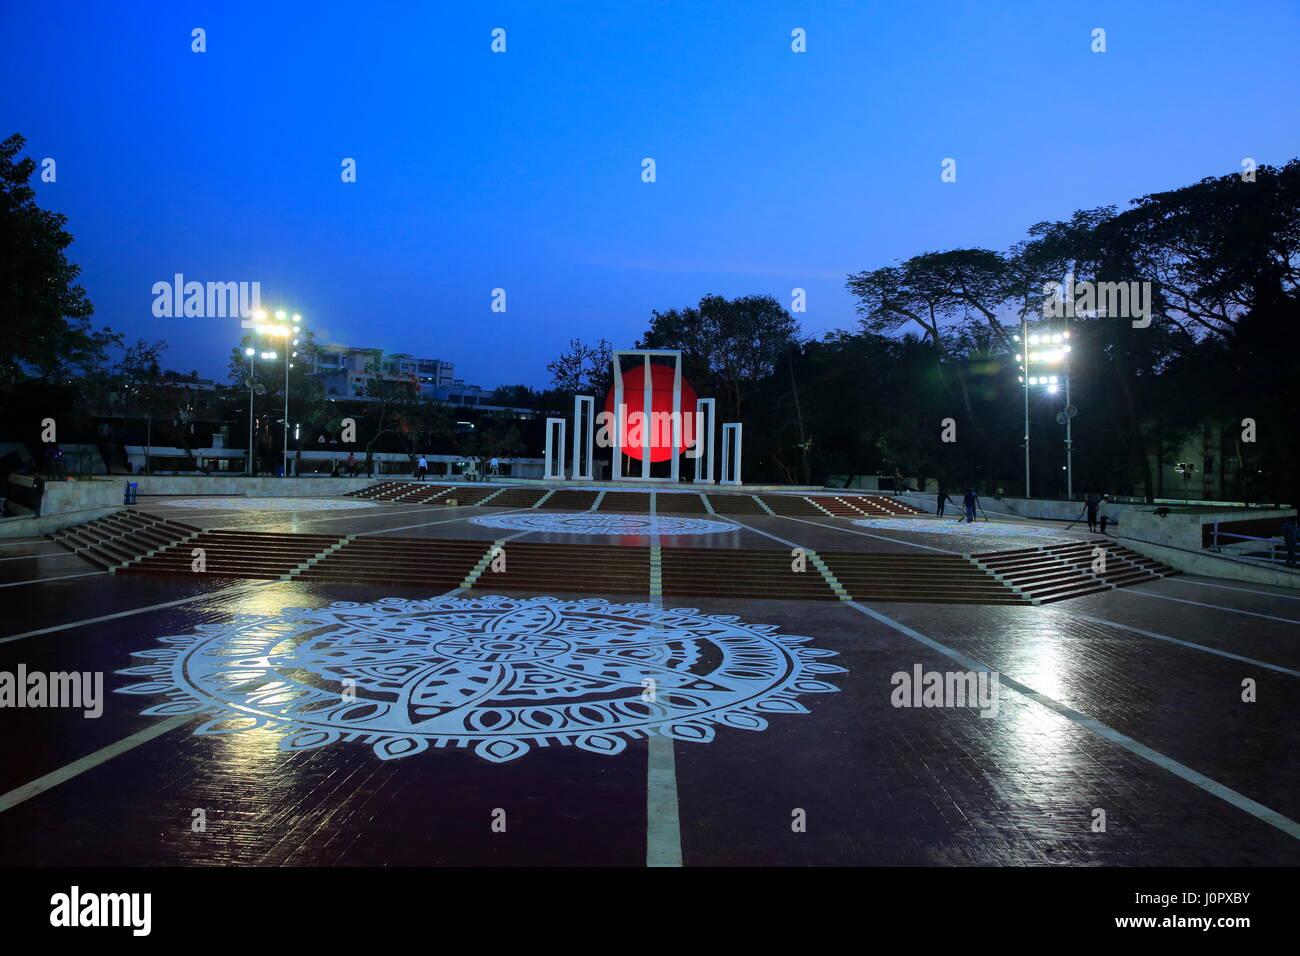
[522, 170]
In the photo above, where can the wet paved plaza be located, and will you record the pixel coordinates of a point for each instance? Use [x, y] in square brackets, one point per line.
[335, 723]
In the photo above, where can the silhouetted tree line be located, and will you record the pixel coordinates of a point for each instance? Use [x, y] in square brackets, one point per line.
[935, 340]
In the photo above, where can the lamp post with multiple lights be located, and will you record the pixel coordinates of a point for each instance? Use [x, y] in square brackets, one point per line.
[289, 331]
[1050, 349]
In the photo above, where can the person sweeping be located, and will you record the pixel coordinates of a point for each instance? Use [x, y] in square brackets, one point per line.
[944, 499]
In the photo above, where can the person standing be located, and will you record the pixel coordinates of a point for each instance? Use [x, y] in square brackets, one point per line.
[351, 465]
[1290, 535]
[970, 500]
[421, 468]
[1091, 505]
[494, 467]
[944, 499]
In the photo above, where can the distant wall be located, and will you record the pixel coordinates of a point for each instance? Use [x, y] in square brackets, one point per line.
[243, 485]
[64, 503]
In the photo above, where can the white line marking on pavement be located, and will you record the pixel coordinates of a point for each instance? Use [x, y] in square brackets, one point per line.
[60, 577]
[1228, 587]
[223, 592]
[89, 762]
[41, 554]
[663, 833]
[1216, 607]
[1209, 785]
[1174, 640]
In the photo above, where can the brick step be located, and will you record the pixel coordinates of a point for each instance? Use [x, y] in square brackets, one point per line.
[735, 505]
[569, 501]
[628, 502]
[675, 503]
[518, 498]
[791, 505]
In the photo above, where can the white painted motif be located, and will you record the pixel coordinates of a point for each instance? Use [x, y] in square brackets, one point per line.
[959, 527]
[501, 675]
[598, 522]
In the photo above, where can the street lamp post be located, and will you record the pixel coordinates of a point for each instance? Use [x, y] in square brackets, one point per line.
[286, 332]
[1056, 348]
[252, 368]
[1024, 381]
[1069, 443]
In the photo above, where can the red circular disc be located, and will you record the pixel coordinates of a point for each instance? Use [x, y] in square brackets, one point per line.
[661, 407]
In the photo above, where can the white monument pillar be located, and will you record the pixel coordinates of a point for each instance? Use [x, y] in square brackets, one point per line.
[584, 437]
[554, 454]
[705, 438]
[731, 437]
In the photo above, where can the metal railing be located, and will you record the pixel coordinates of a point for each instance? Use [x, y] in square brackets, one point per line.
[1272, 549]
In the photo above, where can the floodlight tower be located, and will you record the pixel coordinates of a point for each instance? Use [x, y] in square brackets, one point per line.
[1052, 350]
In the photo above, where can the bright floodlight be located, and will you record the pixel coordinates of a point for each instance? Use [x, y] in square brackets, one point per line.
[1052, 379]
[280, 314]
[1018, 357]
[249, 351]
[268, 355]
[1065, 334]
[297, 317]
[260, 314]
[1056, 339]
[1051, 388]
[1033, 340]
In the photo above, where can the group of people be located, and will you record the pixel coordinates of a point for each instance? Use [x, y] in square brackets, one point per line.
[471, 468]
[969, 502]
[1094, 507]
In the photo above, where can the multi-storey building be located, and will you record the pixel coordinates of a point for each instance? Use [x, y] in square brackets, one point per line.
[345, 372]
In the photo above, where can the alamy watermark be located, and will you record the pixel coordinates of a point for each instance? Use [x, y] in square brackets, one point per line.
[1120, 300]
[82, 691]
[922, 688]
[205, 300]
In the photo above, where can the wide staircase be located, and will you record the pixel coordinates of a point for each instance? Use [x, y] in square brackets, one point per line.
[235, 554]
[794, 506]
[383, 491]
[735, 505]
[680, 503]
[441, 564]
[578, 568]
[626, 502]
[923, 578]
[565, 500]
[1056, 572]
[413, 562]
[519, 498]
[727, 572]
[638, 502]
[120, 538]
[865, 506]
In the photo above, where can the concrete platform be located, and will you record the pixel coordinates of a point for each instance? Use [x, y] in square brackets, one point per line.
[372, 723]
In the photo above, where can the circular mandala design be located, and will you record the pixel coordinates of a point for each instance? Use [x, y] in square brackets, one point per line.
[953, 526]
[600, 522]
[269, 504]
[501, 675]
